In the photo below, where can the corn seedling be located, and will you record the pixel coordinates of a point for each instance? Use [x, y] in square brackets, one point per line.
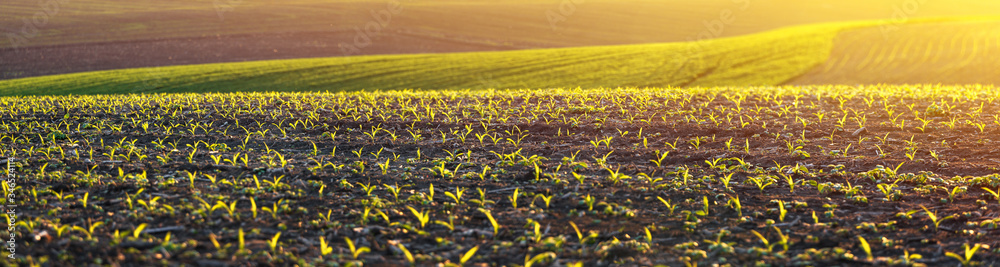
[934, 218]
[355, 251]
[273, 243]
[138, 230]
[513, 197]
[324, 248]
[954, 192]
[996, 194]
[770, 247]
[726, 179]
[493, 222]
[865, 247]
[704, 210]
[457, 196]
[529, 261]
[670, 207]
[965, 259]
[88, 231]
[781, 211]
[407, 254]
[761, 182]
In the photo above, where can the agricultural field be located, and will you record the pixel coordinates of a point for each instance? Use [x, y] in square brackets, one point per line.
[500, 133]
[805, 175]
[928, 51]
[515, 22]
[710, 62]
[90, 35]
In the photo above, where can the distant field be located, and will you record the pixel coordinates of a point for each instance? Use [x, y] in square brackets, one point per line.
[958, 51]
[949, 53]
[512, 22]
[759, 59]
[89, 35]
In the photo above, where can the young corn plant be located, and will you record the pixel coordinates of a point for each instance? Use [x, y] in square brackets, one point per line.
[934, 218]
[761, 182]
[394, 190]
[513, 197]
[996, 194]
[529, 261]
[734, 203]
[616, 176]
[704, 211]
[954, 192]
[273, 243]
[965, 259]
[537, 231]
[891, 194]
[790, 179]
[138, 230]
[465, 257]
[781, 211]
[88, 231]
[482, 201]
[493, 222]
[545, 199]
[907, 259]
[355, 251]
[864, 246]
[85, 199]
[253, 207]
[767, 243]
[695, 142]
[583, 239]
[450, 223]
[670, 207]
[589, 201]
[324, 248]
[457, 196]
[658, 160]
[726, 179]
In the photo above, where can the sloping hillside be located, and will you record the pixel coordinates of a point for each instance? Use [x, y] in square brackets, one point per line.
[759, 59]
[947, 52]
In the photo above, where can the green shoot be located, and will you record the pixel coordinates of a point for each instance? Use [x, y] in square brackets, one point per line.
[489, 215]
[422, 216]
[967, 258]
[407, 254]
[934, 218]
[355, 251]
[865, 247]
[324, 248]
[667, 203]
[273, 243]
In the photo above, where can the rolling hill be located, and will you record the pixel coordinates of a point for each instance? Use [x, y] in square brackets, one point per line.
[89, 35]
[765, 58]
[832, 53]
[512, 23]
[961, 52]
